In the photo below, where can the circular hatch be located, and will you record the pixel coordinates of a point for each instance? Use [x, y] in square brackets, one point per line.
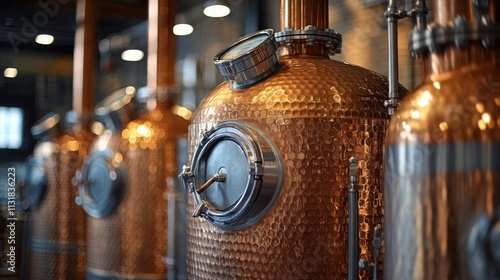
[235, 176]
[101, 184]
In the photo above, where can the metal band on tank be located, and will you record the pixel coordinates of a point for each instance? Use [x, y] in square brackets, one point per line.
[417, 179]
[56, 247]
[436, 158]
[95, 274]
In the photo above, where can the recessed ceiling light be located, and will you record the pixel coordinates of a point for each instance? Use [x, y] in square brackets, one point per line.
[44, 39]
[216, 9]
[10, 72]
[132, 55]
[183, 29]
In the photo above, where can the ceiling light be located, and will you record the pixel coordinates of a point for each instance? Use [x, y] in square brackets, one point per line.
[182, 29]
[132, 55]
[10, 72]
[216, 9]
[44, 39]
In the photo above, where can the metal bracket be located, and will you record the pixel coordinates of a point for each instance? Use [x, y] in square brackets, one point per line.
[188, 178]
[419, 12]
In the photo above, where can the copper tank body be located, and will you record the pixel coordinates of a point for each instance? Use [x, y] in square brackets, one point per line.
[129, 239]
[442, 185]
[57, 224]
[318, 113]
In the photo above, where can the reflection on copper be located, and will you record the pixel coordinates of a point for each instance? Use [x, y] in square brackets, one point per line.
[453, 58]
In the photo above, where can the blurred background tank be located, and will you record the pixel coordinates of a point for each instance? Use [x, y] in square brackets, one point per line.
[57, 224]
[442, 190]
[269, 173]
[126, 181]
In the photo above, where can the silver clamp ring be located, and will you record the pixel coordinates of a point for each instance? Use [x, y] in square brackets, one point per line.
[311, 35]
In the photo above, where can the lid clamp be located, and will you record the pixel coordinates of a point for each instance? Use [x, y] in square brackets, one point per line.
[311, 35]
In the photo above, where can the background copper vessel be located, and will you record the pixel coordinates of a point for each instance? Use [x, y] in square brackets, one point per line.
[442, 192]
[127, 239]
[318, 112]
[57, 224]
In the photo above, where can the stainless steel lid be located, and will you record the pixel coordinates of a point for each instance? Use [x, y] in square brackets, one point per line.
[46, 126]
[116, 110]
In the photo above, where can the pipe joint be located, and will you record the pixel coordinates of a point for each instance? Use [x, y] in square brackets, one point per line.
[461, 33]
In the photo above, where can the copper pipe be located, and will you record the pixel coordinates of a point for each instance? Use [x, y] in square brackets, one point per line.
[84, 57]
[445, 11]
[452, 58]
[298, 14]
[161, 44]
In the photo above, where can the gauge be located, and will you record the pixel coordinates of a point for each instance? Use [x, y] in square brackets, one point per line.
[251, 59]
[244, 46]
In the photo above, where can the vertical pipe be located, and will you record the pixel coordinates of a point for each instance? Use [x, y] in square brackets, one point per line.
[161, 75]
[392, 45]
[161, 44]
[84, 57]
[153, 7]
[421, 18]
[352, 272]
[353, 242]
[298, 14]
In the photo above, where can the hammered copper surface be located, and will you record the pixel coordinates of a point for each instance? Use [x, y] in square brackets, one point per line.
[132, 241]
[58, 223]
[319, 113]
[442, 168]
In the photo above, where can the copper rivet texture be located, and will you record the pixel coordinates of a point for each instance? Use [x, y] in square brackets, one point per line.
[319, 113]
[132, 240]
[58, 225]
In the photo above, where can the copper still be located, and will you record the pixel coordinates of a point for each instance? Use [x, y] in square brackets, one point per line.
[125, 181]
[57, 224]
[442, 187]
[269, 154]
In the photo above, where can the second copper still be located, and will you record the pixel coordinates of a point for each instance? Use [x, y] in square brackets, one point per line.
[269, 156]
[442, 190]
[131, 170]
[57, 224]
[123, 184]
